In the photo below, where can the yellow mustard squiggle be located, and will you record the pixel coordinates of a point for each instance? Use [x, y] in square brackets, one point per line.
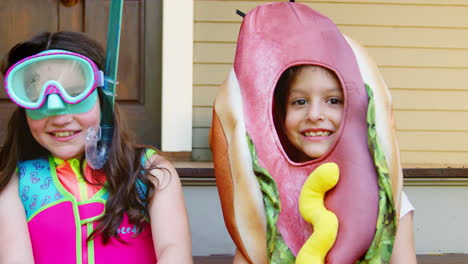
[312, 209]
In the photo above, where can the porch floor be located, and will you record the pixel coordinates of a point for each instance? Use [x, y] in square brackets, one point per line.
[422, 259]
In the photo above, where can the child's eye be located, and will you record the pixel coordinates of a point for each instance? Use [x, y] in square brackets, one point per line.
[335, 101]
[299, 102]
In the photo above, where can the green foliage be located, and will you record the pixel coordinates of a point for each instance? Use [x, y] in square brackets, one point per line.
[381, 248]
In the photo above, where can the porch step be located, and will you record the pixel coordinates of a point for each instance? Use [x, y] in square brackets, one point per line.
[443, 259]
[422, 259]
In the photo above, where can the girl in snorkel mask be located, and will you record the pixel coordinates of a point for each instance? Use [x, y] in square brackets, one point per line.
[74, 213]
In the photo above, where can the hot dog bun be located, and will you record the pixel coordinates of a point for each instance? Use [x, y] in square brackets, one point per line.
[238, 188]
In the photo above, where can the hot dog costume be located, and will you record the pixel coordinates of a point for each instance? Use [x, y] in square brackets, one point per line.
[260, 186]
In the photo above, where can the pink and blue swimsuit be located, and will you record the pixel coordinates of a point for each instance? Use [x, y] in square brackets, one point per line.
[62, 210]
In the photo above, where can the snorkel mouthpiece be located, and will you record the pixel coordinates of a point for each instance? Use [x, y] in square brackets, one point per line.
[96, 148]
[99, 138]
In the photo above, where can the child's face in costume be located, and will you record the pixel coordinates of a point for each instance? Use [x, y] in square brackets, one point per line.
[314, 109]
[64, 135]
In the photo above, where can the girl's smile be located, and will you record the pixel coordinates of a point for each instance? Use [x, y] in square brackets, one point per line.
[64, 135]
[316, 134]
[314, 110]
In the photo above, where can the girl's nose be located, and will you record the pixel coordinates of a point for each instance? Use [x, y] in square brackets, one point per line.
[61, 120]
[315, 112]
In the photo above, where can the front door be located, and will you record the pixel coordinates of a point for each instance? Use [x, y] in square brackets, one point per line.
[139, 75]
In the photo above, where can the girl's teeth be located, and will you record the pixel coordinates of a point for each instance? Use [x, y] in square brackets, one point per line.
[64, 133]
[317, 134]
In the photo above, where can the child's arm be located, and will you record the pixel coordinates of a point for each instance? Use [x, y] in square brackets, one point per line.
[169, 221]
[239, 259]
[403, 250]
[15, 244]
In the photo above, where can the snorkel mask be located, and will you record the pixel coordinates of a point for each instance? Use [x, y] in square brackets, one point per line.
[54, 82]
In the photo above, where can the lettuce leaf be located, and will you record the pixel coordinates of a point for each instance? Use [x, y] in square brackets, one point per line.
[381, 247]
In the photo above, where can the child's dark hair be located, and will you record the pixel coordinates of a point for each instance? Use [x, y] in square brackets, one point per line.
[280, 98]
[281, 95]
[123, 167]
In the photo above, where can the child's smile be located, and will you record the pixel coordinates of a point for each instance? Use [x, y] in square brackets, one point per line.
[314, 110]
[317, 132]
[64, 135]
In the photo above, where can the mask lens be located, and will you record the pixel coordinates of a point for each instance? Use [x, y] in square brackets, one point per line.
[73, 76]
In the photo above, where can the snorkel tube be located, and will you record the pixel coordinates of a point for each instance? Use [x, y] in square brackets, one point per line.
[98, 140]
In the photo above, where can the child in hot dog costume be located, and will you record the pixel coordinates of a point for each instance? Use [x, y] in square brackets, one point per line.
[304, 146]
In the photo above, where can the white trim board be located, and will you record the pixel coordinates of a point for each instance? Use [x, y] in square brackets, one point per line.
[177, 75]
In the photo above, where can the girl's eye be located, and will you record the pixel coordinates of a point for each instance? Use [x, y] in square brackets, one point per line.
[299, 102]
[335, 101]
